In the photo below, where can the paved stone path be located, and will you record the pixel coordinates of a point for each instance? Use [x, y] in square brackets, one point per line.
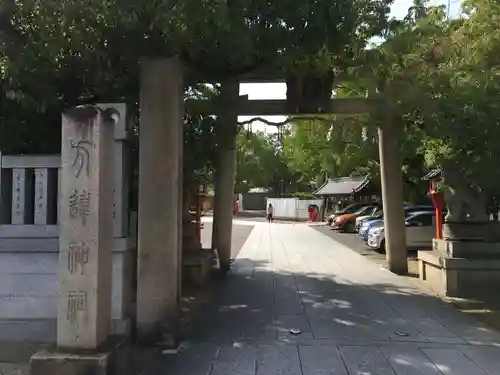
[239, 235]
[354, 317]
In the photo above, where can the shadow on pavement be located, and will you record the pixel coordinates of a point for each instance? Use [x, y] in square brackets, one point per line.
[194, 298]
[246, 328]
[356, 244]
[485, 306]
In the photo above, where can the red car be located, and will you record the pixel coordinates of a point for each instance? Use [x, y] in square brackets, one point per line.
[347, 221]
[347, 210]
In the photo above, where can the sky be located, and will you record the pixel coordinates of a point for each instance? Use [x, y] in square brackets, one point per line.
[278, 90]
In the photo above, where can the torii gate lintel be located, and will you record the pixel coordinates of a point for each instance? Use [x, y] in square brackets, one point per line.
[282, 107]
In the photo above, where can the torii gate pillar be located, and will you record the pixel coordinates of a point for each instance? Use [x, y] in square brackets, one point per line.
[392, 195]
[225, 173]
[160, 194]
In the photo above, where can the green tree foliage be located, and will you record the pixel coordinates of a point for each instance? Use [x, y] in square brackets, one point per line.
[262, 162]
[258, 161]
[444, 75]
[442, 78]
[337, 147]
[72, 51]
[441, 74]
[462, 133]
[62, 53]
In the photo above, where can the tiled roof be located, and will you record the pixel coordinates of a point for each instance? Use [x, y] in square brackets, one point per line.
[342, 186]
[432, 174]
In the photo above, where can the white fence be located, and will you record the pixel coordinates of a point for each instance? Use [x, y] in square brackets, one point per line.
[29, 188]
[293, 208]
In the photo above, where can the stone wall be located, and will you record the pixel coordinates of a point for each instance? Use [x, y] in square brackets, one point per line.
[29, 287]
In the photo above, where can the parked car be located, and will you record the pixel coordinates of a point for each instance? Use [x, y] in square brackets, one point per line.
[367, 225]
[420, 230]
[347, 210]
[360, 220]
[375, 220]
[380, 214]
[347, 222]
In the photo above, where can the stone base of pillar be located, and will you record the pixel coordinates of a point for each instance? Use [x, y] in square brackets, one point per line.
[112, 358]
[162, 336]
[197, 267]
[460, 268]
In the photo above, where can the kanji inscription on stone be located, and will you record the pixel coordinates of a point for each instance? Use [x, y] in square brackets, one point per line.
[77, 304]
[78, 257]
[79, 205]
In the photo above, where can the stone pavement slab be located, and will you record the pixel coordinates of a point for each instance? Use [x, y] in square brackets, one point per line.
[296, 302]
[13, 369]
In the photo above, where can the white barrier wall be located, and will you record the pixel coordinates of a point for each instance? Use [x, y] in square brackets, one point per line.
[293, 208]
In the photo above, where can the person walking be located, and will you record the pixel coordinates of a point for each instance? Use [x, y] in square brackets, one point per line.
[270, 211]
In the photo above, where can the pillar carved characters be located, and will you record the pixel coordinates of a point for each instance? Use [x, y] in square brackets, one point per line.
[86, 227]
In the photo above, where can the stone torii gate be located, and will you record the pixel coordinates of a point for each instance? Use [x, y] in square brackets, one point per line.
[84, 341]
[160, 186]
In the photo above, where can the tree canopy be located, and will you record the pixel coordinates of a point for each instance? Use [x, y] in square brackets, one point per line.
[63, 53]
[91, 48]
[441, 74]
[444, 74]
[442, 77]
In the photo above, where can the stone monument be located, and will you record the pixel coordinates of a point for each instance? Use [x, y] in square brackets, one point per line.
[85, 244]
[466, 261]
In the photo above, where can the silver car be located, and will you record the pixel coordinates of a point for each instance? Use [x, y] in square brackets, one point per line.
[420, 230]
[362, 219]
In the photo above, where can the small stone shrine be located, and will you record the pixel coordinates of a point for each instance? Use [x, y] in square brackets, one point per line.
[466, 260]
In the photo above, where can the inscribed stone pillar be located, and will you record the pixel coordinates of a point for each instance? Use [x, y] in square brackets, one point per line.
[86, 228]
[5, 209]
[226, 130]
[161, 102]
[45, 201]
[392, 195]
[22, 196]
